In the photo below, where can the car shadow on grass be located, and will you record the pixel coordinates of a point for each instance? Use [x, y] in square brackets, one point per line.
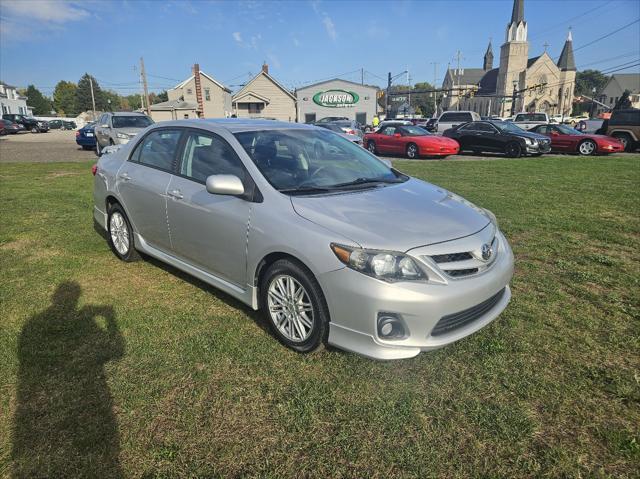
[64, 424]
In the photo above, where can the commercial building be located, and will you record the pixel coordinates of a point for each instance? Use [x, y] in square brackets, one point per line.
[12, 102]
[199, 96]
[264, 97]
[337, 98]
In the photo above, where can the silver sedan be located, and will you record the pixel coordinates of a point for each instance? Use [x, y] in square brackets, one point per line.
[328, 241]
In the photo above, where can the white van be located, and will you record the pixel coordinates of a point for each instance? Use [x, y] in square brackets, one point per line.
[450, 119]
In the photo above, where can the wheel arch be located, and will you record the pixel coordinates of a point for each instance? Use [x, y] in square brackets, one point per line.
[269, 259]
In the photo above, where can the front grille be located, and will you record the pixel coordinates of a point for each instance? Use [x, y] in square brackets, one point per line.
[452, 257]
[461, 272]
[457, 320]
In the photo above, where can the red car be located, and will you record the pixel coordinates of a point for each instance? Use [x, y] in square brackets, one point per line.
[565, 139]
[411, 141]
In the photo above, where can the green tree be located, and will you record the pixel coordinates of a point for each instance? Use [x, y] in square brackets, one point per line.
[83, 94]
[133, 101]
[41, 105]
[162, 96]
[587, 80]
[64, 98]
[111, 100]
[423, 101]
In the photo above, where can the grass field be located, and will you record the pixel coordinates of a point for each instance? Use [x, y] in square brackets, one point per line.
[110, 369]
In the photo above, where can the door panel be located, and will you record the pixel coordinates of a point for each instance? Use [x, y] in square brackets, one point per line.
[209, 231]
[143, 191]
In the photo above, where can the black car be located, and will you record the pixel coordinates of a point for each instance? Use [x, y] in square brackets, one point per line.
[431, 125]
[498, 137]
[30, 123]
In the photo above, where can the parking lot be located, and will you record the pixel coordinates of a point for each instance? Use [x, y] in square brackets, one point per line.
[60, 146]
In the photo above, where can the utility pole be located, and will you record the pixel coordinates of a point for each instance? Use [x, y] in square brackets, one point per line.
[362, 76]
[144, 82]
[135, 69]
[409, 82]
[93, 98]
[458, 77]
[435, 94]
[386, 97]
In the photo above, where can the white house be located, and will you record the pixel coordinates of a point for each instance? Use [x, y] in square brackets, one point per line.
[12, 102]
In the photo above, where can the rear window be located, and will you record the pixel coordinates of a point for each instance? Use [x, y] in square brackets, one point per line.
[625, 117]
[531, 117]
[456, 116]
[133, 121]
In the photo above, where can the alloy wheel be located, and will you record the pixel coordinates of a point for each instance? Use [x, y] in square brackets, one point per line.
[119, 233]
[587, 148]
[412, 151]
[371, 146]
[290, 308]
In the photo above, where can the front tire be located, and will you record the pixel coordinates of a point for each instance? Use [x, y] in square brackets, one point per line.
[587, 148]
[412, 151]
[121, 234]
[625, 140]
[513, 150]
[294, 306]
[371, 146]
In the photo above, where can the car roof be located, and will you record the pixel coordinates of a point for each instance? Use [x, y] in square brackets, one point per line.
[126, 113]
[236, 125]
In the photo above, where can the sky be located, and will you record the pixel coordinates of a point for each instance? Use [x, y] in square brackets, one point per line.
[43, 42]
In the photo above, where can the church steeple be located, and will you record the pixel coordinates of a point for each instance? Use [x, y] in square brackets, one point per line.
[567, 61]
[488, 58]
[517, 28]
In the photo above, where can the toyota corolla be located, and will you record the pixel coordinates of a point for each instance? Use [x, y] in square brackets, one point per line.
[331, 243]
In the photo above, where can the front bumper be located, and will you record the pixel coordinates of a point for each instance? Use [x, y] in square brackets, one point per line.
[439, 150]
[538, 148]
[610, 148]
[355, 302]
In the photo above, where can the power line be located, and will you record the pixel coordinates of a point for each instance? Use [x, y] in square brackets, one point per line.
[569, 20]
[624, 55]
[606, 36]
[620, 69]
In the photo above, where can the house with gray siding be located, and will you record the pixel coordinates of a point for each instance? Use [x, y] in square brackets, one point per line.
[12, 102]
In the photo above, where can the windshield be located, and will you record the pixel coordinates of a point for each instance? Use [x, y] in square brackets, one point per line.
[413, 131]
[507, 126]
[297, 161]
[131, 121]
[567, 130]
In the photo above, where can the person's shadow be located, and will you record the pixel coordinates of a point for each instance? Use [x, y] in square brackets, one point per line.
[64, 423]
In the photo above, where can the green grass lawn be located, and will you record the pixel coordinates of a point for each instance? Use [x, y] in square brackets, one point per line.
[110, 369]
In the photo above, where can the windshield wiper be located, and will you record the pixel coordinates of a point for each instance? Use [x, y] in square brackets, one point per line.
[367, 181]
[305, 190]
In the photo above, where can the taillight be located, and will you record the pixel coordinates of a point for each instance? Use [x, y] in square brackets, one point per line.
[94, 169]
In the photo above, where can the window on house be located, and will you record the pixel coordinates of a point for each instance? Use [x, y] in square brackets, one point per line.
[207, 94]
[189, 91]
[255, 107]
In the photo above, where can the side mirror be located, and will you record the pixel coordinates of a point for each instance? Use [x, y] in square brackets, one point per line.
[397, 135]
[229, 185]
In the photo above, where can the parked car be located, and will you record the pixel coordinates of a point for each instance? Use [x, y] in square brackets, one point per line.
[384, 123]
[324, 238]
[589, 126]
[55, 124]
[335, 127]
[499, 137]
[526, 121]
[565, 139]
[625, 126]
[30, 123]
[86, 137]
[451, 119]
[10, 128]
[409, 140]
[118, 128]
[327, 119]
[350, 127]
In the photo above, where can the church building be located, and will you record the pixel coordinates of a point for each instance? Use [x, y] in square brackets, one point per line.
[542, 84]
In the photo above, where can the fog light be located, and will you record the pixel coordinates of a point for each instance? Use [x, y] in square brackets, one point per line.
[390, 327]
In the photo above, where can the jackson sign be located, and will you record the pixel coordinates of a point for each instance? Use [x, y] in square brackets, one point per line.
[336, 98]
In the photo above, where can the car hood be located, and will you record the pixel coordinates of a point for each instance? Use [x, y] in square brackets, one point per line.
[435, 140]
[395, 217]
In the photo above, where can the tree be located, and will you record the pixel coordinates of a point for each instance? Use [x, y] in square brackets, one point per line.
[162, 96]
[587, 80]
[41, 105]
[112, 100]
[133, 101]
[83, 94]
[64, 99]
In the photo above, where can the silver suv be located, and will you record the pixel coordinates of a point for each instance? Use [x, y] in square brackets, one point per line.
[451, 119]
[118, 128]
[328, 241]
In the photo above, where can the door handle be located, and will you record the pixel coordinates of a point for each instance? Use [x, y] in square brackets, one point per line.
[176, 194]
[124, 176]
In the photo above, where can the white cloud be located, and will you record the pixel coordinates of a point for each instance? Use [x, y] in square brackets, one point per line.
[22, 19]
[330, 27]
[237, 37]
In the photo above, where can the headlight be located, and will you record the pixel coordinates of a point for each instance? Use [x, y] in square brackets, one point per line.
[388, 266]
[124, 136]
[529, 141]
[40, 123]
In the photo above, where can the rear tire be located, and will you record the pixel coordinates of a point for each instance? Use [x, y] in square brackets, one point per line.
[513, 150]
[412, 151]
[371, 146]
[121, 234]
[293, 304]
[625, 139]
[587, 148]
[98, 149]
